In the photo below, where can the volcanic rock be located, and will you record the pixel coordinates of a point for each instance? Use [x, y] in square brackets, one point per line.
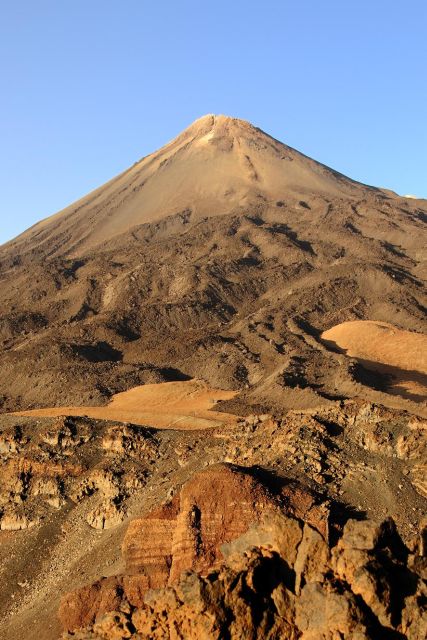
[196, 529]
[255, 595]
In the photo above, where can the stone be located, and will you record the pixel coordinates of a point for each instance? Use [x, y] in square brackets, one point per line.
[80, 608]
[196, 529]
[312, 561]
[229, 557]
[113, 626]
[326, 614]
[105, 516]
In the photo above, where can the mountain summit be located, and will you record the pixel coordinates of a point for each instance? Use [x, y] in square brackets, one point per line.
[217, 165]
[207, 366]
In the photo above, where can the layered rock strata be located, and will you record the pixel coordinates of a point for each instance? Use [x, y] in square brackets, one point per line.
[281, 579]
[214, 508]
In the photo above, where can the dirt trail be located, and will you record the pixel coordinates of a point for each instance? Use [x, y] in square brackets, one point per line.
[170, 405]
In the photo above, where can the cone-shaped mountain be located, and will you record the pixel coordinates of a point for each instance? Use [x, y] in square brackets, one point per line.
[222, 256]
[217, 166]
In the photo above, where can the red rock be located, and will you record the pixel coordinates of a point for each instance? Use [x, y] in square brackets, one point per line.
[213, 509]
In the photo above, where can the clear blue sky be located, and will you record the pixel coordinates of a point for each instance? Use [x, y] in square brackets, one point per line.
[89, 86]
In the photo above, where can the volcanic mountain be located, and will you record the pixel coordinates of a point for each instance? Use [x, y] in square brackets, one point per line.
[217, 166]
[212, 371]
[222, 256]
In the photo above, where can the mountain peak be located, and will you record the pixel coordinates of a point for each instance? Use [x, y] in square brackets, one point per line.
[212, 119]
[218, 125]
[217, 166]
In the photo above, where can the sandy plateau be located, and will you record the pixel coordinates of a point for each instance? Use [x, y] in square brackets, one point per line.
[213, 418]
[171, 405]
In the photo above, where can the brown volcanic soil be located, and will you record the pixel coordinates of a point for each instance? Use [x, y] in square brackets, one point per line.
[223, 257]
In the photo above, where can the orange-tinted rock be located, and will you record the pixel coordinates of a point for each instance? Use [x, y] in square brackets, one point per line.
[147, 546]
[280, 580]
[81, 607]
[215, 507]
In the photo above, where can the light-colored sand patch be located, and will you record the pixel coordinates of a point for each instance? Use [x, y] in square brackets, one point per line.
[382, 347]
[170, 405]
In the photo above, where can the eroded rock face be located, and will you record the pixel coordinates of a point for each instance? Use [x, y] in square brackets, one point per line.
[215, 507]
[41, 467]
[280, 579]
[321, 443]
[196, 530]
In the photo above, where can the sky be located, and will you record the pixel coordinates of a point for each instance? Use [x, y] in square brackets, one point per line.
[89, 87]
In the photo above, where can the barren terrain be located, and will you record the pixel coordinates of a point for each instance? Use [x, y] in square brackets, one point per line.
[384, 349]
[213, 403]
[223, 257]
[171, 405]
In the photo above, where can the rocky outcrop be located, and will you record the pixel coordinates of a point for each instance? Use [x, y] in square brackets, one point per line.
[214, 508]
[336, 445]
[42, 466]
[281, 579]
[71, 474]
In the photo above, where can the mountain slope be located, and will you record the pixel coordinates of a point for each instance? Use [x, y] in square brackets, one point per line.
[284, 304]
[218, 165]
[222, 256]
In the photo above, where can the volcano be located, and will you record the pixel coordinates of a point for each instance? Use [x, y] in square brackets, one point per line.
[218, 166]
[212, 403]
[224, 256]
